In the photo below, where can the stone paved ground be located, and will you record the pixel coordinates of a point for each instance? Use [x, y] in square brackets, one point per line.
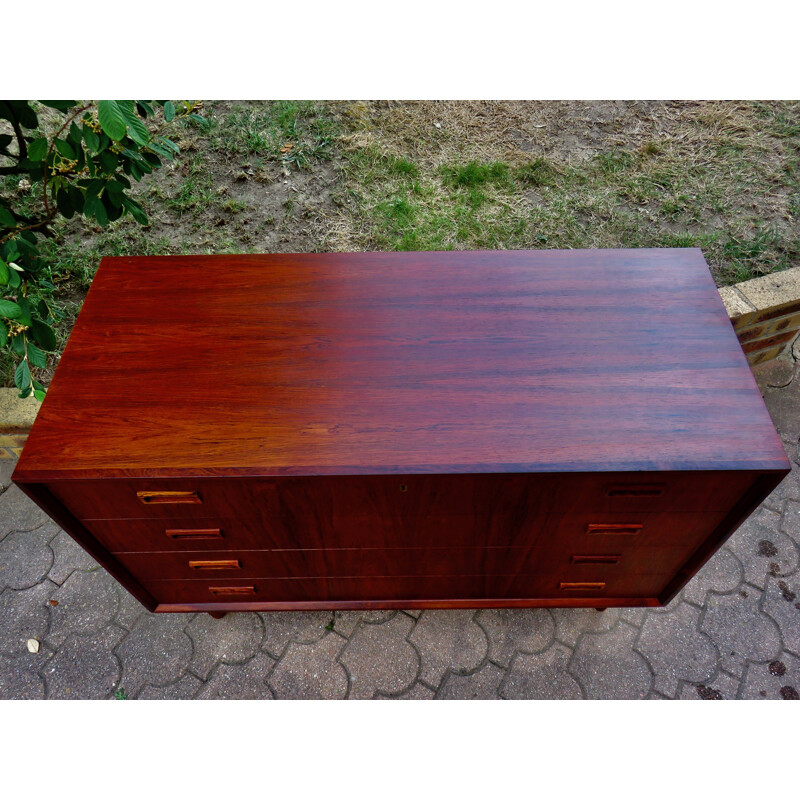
[733, 632]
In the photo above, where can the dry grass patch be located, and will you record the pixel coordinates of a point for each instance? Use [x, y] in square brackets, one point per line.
[724, 176]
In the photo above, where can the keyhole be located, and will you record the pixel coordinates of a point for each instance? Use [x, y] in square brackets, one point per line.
[403, 487]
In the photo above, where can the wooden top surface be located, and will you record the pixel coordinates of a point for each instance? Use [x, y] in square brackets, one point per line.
[368, 363]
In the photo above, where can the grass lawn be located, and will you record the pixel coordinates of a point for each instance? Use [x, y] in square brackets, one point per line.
[289, 176]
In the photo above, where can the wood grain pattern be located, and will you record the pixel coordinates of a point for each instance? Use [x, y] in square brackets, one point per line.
[402, 430]
[368, 363]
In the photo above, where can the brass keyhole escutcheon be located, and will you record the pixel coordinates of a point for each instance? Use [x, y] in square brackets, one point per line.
[403, 487]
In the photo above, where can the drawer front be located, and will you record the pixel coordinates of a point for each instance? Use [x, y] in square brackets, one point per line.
[400, 589]
[409, 498]
[595, 563]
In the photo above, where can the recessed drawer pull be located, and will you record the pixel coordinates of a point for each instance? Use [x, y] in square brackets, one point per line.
[581, 587]
[232, 589]
[604, 529]
[635, 491]
[232, 564]
[596, 559]
[186, 534]
[156, 498]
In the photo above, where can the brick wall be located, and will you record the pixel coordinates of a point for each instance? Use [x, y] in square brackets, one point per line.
[765, 312]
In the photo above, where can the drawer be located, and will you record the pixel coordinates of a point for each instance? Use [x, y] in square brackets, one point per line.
[402, 562]
[552, 535]
[409, 498]
[404, 589]
[262, 530]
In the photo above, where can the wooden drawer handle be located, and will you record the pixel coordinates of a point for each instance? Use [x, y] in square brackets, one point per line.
[194, 533]
[155, 498]
[605, 529]
[596, 559]
[232, 589]
[232, 564]
[635, 491]
[581, 587]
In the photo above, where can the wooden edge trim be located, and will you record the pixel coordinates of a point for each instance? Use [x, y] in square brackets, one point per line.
[46, 500]
[763, 485]
[358, 605]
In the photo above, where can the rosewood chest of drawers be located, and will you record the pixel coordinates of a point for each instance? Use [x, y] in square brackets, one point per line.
[402, 430]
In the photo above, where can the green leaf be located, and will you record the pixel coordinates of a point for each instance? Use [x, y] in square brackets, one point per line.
[9, 309]
[37, 149]
[109, 160]
[3, 334]
[7, 218]
[202, 121]
[169, 111]
[93, 207]
[59, 105]
[65, 148]
[22, 376]
[39, 394]
[5, 140]
[13, 279]
[43, 334]
[18, 345]
[36, 356]
[3, 273]
[136, 128]
[26, 392]
[111, 119]
[135, 210]
[91, 138]
[75, 134]
[24, 317]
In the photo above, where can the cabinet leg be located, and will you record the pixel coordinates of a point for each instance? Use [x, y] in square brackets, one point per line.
[599, 609]
[217, 614]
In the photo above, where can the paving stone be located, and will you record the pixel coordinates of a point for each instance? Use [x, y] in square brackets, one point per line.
[790, 521]
[787, 489]
[572, 622]
[156, 651]
[24, 614]
[240, 682]
[608, 668]
[528, 630]
[782, 405]
[129, 608]
[185, 689]
[233, 640]
[762, 549]
[633, 616]
[84, 667]
[542, 676]
[283, 627]
[723, 687]
[7, 467]
[448, 640]
[68, 556]
[345, 622]
[721, 574]
[87, 602]
[417, 692]
[378, 658]
[740, 630]
[19, 677]
[413, 612]
[782, 604]
[311, 671]
[778, 680]
[18, 513]
[481, 685]
[654, 695]
[25, 557]
[676, 650]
